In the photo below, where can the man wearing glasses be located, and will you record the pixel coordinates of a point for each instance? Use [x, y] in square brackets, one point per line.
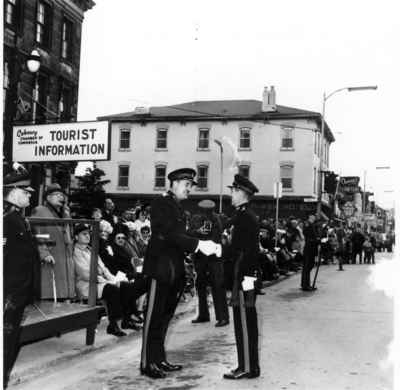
[164, 266]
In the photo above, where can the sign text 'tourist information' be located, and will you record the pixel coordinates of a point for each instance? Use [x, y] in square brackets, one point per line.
[76, 141]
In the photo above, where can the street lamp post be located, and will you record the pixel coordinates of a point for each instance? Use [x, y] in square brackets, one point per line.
[32, 63]
[321, 165]
[219, 143]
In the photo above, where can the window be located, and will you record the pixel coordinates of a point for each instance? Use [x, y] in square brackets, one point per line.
[160, 174]
[66, 43]
[39, 98]
[287, 177]
[124, 138]
[123, 176]
[161, 138]
[244, 142]
[204, 138]
[43, 24]
[315, 143]
[244, 170]
[6, 83]
[10, 12]
[65, 102]
[202, 176]
[315, 181]
[287, 137]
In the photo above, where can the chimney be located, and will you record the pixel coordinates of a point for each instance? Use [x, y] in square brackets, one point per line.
[268, 102]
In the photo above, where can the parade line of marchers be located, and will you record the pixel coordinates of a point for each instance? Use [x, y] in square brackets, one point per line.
[69, 150]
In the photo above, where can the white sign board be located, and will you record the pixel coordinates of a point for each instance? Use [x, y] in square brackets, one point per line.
[278, 189]
[75, 141]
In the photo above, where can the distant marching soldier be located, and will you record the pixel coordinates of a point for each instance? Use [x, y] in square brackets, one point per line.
[244, 249]
[210, 270]
[20, 266]
[164, 265]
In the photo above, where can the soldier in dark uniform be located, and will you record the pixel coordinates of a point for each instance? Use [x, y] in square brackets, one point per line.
[20, 264]
[164, 266]
[209, 270]
[244, 250]
[310, 252]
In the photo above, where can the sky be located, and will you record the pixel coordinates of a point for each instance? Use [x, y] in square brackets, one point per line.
[167, 52]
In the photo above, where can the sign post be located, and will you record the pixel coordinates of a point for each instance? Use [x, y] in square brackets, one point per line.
[277, 195]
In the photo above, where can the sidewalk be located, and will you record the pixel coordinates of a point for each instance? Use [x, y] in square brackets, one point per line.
[36, 358]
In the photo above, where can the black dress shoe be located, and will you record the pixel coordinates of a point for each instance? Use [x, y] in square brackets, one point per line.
[137, 317]
[130, 324]
[222, 323]
[236, 375]
[198, 320]
[309, 288]
[253, 373]
[167, 367]
[153, 371]
[115, 330]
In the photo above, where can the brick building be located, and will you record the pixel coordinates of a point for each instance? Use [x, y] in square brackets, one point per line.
[53, 28]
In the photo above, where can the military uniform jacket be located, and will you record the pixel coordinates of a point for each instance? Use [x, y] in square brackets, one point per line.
[164, 259]
[311, 237]
[244, 247]
[21, 260]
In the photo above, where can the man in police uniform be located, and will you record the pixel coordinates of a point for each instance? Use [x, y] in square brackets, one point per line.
[164, 266]
[209, 269]
[243, 249]
[20, 259]
[310, 252]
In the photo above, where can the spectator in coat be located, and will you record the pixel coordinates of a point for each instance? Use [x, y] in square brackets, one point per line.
[56, 260]
[109, 212]
[118, 294]
[357, 240]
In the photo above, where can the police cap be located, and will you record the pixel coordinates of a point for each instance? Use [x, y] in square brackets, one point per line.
[17, 180]
[244, 184]
[182, 174]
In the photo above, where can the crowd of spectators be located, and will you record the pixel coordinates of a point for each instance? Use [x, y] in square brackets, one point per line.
[124, 237]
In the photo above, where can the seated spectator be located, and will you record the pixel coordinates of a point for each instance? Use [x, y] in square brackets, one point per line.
[145, 234]
[118, 295]
[122, 256]
[97, 215]
[109, 212]
[141, 220]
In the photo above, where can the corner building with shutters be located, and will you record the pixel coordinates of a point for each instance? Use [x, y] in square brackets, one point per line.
[264, 141]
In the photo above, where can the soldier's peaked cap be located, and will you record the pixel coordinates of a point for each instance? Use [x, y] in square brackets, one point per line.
[244, 184]
[182, 174]
[17, 180]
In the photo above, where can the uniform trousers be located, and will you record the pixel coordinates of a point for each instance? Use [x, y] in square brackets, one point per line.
[13, 310]
[308, 264]
[121, 301]
[211, 272]
[162, 300]
[246, 331]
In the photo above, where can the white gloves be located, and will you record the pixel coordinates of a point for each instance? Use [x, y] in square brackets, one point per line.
[209, 248]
